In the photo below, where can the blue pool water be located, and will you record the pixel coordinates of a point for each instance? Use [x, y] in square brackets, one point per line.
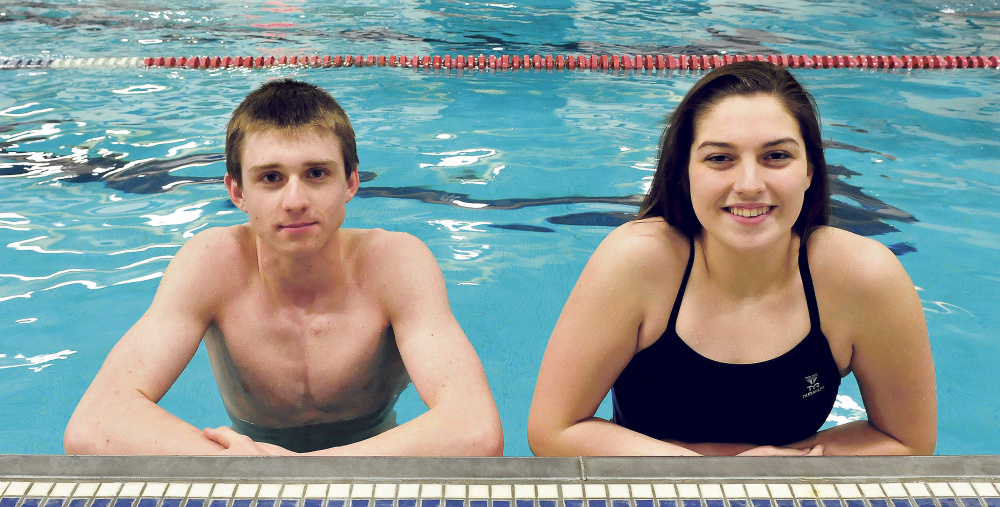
[511, 178]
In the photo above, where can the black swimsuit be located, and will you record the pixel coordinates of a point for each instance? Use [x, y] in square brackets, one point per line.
[669, 391]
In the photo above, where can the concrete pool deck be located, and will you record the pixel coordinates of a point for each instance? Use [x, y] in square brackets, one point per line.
[144, 481]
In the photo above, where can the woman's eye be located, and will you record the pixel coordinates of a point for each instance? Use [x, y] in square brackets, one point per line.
[778, 156]
[717, 159]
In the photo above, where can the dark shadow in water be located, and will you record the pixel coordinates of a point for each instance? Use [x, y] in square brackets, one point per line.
[850, 208]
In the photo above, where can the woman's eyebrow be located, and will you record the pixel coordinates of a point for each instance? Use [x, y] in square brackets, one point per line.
[721, 144]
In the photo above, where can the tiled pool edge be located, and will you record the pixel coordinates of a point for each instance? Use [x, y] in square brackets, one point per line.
[500, 470]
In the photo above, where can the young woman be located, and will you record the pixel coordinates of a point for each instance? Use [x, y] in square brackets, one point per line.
[723, 318]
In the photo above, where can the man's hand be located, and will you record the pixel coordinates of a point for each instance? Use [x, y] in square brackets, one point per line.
[236, 444]
[767, 450]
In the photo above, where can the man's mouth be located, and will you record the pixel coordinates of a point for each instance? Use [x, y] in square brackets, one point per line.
[749, 212]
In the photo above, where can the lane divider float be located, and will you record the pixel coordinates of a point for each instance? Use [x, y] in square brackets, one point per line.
[492, 62]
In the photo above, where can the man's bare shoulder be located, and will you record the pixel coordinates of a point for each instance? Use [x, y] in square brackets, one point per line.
[384, 250]
[219, 253]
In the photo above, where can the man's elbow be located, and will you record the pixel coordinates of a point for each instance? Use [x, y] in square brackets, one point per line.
[486, 438]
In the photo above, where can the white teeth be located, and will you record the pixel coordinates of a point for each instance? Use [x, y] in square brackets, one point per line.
[749, 212]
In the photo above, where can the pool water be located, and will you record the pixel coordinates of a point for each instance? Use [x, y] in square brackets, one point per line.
[511, 178]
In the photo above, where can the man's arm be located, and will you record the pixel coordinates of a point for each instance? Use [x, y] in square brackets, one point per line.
[462, 418]
[119, 414]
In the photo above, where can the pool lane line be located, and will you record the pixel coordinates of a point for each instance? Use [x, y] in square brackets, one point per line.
[512, 62]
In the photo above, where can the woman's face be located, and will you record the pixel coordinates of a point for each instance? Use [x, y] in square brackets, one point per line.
[748, 171]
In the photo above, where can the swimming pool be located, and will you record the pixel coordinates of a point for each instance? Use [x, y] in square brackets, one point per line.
[512, 178]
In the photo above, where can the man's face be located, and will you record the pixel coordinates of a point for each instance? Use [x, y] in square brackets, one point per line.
[294, 188]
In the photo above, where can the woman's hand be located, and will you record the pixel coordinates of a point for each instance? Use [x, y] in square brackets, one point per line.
[768, 450]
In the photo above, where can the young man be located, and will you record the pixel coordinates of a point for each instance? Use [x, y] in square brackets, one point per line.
[312, 330]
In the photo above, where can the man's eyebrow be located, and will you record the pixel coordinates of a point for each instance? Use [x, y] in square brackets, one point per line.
[721, 144]
[275, 165]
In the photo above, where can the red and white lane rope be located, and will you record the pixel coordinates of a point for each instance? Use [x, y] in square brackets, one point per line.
[491, 62]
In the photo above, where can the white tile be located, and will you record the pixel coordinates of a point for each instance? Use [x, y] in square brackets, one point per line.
[711, 491]
[109, 489]
[339, 491]
[664, 491]
[361, 490]
[780, 490]
[803, 491]
[940, 489]
[131, 489]
[3, 486]
[501, 492]
[431, 491]
[618, 491]
[548, 491]
[642, 491]
[849, 490]
[40, 489]
[963, 489]
[223, 490]
[757, 491]
[734, 491]
[246, 490]
[524, 491]
[61, 489]
[315, 491]
[200, 490]
[269, 491]
[17, 488]
[917, 489]
[454, 491]
[825, 490]
[984, 489]
[872, 490]
[595, 491]
[154, 489]
[894, 490]
[479, 491]
[294, 491]
[573, 491]
[385, 491]
[688, 491]
[174, 490]
[409, 490]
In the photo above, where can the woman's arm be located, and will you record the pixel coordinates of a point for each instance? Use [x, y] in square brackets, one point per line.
[870, 304]
[596, 336]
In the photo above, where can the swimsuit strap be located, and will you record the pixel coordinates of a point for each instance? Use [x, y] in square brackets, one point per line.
[672, 321]
[807, 284]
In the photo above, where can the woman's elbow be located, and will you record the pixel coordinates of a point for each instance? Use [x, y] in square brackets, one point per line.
[80, 437]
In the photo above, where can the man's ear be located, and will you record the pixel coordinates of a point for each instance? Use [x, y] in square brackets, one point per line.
[235, 192]
[353, 184]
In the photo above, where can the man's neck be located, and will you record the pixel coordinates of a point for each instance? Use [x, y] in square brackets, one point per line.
[303, 280]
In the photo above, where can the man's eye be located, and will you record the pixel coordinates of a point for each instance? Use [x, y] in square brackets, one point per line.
[270, 177]
[317, 173]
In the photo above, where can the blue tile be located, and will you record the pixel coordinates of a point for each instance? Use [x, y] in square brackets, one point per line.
[785, 502]
[145, 502]
[266, 502]
[668, 503]
[79, 502]
[407, 502]
[216, 502]
[168, 502]
[524, 503]
[294, 502]
[478, 503]
[381, 502]
[972, 502]
[546, 503]
[9, 501]
[737, 503]
[878, 502]
[242, 502]
[924, 502]
[454, 502]
[688, 502]
[357, 502]
[597, 503]
[31, 502]
[191, 502]
[58, 502]
[573, 503]
[430, 502]
[500, 503]
[620, 503]
[901, 502]
[760, 502]
[855, 503]
[101, 502]
[124, 502]
[992, 502]
[947, 501]
[809, 503]
[336, 503]
[715, 502]
[830, 502]
[644, 503]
